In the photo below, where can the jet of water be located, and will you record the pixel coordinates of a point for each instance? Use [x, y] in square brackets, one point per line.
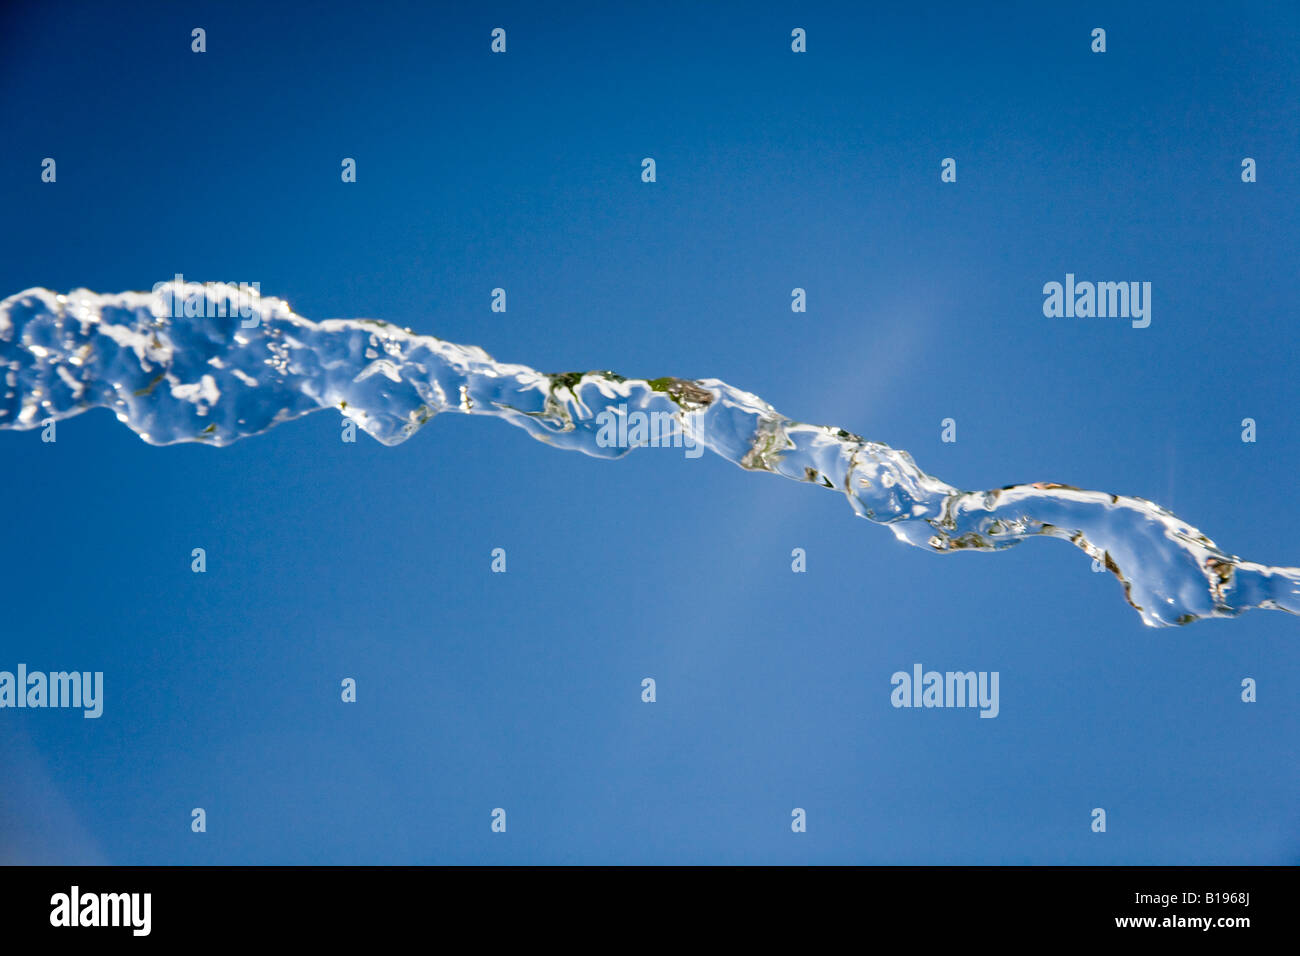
[216, 363]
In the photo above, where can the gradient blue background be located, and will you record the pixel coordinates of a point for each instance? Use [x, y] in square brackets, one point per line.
[775, 170]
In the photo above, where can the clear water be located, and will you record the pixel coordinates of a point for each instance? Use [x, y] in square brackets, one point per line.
[208, 378]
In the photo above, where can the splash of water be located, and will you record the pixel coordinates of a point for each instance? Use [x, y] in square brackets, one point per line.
[183, 364]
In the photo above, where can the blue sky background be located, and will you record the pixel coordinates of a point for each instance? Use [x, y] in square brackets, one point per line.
[775, 170]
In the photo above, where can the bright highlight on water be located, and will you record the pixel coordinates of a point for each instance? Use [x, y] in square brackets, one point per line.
[235, 363]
